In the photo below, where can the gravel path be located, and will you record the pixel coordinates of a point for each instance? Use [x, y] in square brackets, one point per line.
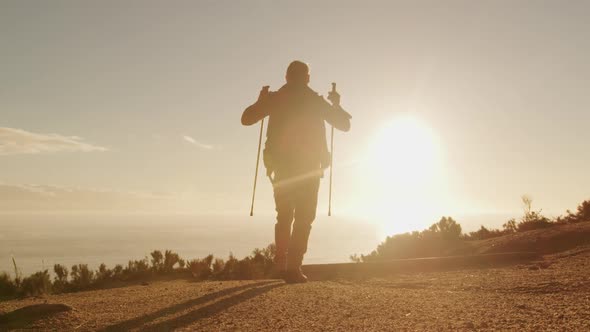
[553, 294]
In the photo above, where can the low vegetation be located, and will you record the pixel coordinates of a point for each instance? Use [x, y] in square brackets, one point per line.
[446, 235]
[80, 277]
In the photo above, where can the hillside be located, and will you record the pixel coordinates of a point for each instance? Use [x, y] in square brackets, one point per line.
[543, 241]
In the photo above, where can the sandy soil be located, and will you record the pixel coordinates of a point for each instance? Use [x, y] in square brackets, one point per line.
[552, 294]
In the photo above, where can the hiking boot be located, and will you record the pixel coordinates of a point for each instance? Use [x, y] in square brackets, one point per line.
[295, 277]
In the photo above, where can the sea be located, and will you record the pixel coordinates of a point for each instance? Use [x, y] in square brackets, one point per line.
[37, 241]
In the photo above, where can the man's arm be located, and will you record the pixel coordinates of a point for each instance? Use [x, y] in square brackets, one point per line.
[338, 118]
[334, 114]
[258, 110]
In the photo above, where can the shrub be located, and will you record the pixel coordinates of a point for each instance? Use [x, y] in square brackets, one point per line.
[582, 214]
[170, 259]
[484, 233]
[61, 272]
[103, 274]
[218, 266]
[157, 261]
[532, 219]
[510, 226]
[257, 265]
[438, 238]
[136, 269]
[60, 282]
[229, 268]
[200, 268]
[447, 229]
[264, 259]
[36, 284]
[8, 287]
[118, 271]
[269, 252]
[244, 270]
[82, 277]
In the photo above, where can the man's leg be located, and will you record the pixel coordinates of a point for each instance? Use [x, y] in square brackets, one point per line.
[306, 200]
[285, 208]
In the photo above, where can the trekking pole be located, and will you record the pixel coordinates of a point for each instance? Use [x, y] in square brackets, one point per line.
[257, 162]
[331, 163]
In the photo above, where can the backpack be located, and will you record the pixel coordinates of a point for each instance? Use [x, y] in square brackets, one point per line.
[296, 133]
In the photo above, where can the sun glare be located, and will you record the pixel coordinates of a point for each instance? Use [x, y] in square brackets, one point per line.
[403, 173]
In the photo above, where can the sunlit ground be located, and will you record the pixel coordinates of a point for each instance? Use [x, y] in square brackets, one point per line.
[404, 176]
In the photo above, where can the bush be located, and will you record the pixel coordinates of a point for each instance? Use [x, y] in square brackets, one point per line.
[201, 268]
[36, 284]
[257, 265]
[157, 261]
[8, 287]
[218, 266]
[60, 282]
[438, 238]
[484, 233]
[447, 228]
[118, 271]
[82, 277]
[170, 259]
[510, 226]
[582, 214]
[103, 274]
[532, 219]
[229, 268]
[136, 269]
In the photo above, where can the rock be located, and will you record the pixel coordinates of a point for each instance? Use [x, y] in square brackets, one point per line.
[31, 313]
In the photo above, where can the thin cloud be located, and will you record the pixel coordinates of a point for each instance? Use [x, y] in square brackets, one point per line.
[197, 143]
[17, 141]
[35, 197]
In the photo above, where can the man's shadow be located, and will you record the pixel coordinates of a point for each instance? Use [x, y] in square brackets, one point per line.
[249, 291]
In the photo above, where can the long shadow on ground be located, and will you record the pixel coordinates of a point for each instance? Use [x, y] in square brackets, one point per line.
[249, 291]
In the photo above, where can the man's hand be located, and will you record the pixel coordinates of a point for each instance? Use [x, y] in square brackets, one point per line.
[334, 98]
[264, 93]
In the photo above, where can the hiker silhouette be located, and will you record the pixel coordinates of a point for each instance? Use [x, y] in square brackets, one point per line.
[295, 156]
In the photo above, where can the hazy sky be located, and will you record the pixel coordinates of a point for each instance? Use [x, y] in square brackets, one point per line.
[144, 98]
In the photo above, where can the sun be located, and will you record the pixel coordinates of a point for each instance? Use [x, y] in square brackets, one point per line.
[403, 175]
[404, 152]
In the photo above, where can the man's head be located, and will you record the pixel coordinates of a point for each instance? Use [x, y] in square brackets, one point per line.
[297, 73]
